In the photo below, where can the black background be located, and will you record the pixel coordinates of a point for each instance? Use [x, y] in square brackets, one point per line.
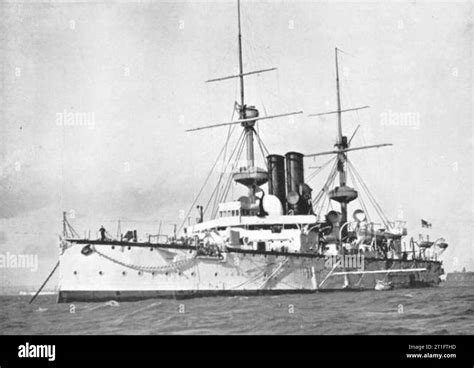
[164, 350]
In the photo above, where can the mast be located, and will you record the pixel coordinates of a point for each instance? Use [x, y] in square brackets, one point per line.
[341, 144]
[342, 194]
[339, 115]
[249, 175]
[248, 126]
[241, 64]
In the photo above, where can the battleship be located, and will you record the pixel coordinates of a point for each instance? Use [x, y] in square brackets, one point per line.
[281, 236]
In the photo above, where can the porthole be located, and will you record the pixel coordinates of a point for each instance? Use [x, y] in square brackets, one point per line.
[124, 273]
[139, 273]
[101, 273]
[192, 273]
[75, 272]
[113, 246]
[215, 274]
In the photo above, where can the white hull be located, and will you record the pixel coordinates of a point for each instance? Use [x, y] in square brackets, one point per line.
[120, 273]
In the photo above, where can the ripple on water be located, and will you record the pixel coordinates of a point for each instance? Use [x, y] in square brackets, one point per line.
[425, 311]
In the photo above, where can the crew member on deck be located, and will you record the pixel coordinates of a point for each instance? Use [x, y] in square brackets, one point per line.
[102, 233]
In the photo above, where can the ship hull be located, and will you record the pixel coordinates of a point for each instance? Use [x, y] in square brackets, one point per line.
[130, 273]
[136, 295]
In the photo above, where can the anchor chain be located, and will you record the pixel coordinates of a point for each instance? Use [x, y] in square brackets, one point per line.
[172, 267]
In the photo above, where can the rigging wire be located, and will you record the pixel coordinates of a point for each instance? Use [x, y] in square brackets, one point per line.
[327, 184]
[354, 182]
[259, 85]
[351, 101]
[262, 146]
[355, 176]
[216, 192]
[203, 186]
[321, 194]
[329, 205]
[225, 186]
[253, 54]
[229, 182]
[229, 132]
[319, 199]
[317, 171]
[372, 199]
[223, 168]
[263, 149]
[358, 120]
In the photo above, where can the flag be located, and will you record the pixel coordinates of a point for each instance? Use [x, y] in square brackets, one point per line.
[425, 223]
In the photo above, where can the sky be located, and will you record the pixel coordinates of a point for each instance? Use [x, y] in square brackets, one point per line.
[95, 99]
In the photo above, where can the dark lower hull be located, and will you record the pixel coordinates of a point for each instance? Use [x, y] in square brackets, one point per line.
[137, 295]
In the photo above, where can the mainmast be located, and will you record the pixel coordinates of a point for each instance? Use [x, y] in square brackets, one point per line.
[342, 193]
[339, 115]
[341, 143]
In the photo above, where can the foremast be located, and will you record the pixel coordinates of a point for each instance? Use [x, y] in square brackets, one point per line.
[248, 126]
[249, 175]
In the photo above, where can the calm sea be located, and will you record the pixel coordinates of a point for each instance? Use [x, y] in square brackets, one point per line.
[438, 310]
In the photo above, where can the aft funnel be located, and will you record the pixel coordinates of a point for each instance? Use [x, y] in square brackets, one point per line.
[297, 191]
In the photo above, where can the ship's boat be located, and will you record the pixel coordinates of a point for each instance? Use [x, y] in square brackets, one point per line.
[425, 244]
[383, 285]
[442, 245]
